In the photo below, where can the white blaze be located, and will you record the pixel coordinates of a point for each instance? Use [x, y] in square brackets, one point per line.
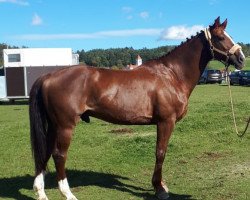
[229, 37]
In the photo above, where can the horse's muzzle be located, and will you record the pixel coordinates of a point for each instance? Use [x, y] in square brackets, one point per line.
[241, 59]
[237, 59]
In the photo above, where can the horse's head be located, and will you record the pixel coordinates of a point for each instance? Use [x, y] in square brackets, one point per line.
[223, 48]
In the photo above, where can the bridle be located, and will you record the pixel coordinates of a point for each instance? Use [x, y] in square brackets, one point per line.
[213, 49]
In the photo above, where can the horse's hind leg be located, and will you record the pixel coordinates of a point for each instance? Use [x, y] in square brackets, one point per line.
[59, 155]
[39, 186]
[40, 175]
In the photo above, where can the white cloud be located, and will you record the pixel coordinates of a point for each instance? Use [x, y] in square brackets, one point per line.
[18, 2]
[96, 35]
[171, 33]
[180, 32]
[36, 20]
[131, 32]
[160, 15]
[129, 17]
[144, 15]
[127, 9]
[128, 12]
[213, 2]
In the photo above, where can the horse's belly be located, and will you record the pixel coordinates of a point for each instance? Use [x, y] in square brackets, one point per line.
[122, 105]
[121, 116]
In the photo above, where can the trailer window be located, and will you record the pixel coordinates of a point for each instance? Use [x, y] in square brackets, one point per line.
[14, 57]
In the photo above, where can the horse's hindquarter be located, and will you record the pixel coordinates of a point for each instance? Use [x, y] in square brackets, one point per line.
[63, 94]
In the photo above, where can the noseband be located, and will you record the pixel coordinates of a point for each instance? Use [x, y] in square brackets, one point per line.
[213, 49]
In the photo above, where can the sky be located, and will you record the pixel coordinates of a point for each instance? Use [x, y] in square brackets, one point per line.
[103, 24]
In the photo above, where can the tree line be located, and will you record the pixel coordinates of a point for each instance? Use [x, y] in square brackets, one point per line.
[119, 57]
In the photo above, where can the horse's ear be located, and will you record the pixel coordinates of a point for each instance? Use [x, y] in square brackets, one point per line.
[217, 22]
[224, 24]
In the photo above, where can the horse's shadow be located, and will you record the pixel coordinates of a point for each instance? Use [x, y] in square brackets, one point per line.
[10, 187]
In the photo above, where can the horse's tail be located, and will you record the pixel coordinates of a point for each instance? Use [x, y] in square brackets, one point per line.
[38, 126]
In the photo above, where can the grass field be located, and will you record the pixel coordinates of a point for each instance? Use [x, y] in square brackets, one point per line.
[205, 160]
[218, 65]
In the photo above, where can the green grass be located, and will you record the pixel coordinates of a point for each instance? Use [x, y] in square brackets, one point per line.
[218, 65]
[205, 160]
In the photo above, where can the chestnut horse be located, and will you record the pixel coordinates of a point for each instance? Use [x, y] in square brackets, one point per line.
[157, 93]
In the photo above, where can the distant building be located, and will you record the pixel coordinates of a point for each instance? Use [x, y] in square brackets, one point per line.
[138, 62]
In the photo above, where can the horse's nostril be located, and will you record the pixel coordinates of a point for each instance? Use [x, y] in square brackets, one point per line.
[241, 59]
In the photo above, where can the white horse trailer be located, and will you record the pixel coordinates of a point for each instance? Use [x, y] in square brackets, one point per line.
[23, 66]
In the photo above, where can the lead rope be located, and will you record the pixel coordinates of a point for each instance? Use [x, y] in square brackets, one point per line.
[232, 108]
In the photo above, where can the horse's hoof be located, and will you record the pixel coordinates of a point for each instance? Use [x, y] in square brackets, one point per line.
[72, 198]
[41, 195]
[162, 194]
[42, 198]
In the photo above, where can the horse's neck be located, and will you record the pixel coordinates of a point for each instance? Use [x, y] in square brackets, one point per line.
[188, 62]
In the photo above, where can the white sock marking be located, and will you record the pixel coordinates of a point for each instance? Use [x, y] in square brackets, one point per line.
[65, 190]
[39, 186]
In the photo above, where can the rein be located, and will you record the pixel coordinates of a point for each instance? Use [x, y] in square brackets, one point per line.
[231, 51]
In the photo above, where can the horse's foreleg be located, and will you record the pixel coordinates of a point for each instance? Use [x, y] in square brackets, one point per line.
[60, 155]
[164, 130]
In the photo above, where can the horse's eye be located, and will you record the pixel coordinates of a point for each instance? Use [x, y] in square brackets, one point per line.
[221, 38]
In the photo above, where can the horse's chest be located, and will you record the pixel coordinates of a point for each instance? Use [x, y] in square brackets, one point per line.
[172, 103]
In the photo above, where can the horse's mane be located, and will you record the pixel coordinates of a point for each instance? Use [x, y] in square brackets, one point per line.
[181, 45]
